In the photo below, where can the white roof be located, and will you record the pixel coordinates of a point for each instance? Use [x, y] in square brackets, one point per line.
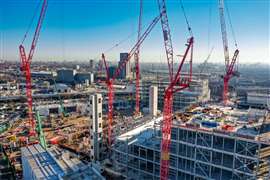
[139, 129]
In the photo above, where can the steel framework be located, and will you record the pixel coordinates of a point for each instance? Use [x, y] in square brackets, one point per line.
[195, 154]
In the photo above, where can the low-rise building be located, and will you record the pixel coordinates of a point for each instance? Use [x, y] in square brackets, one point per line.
[65, 76]
[84, 77]
[42, 75]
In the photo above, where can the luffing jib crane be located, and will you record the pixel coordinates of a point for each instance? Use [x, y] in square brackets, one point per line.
[166, 124]
[110, 80]
[26, 63]
[229, 64]
[137, 65]
[176, 84]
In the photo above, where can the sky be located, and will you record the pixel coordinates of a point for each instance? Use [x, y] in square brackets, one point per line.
[83, 29]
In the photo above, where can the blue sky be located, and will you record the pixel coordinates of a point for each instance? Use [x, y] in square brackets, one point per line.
[83, 29]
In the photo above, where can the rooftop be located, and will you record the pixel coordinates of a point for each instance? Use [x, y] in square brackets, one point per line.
[55, 163]
[40, 162]
[218, 118]
[210, 118]
[139, 129]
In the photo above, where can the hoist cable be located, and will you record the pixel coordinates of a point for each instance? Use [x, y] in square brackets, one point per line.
[31, 22]
[183, 10]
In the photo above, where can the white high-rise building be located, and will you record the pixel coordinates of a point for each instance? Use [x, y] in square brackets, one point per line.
[95, 111]
[153, 100]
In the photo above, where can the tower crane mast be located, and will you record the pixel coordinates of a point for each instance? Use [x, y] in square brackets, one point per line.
[26, 63]
[110, 80]
[168, 97]
[177, 84]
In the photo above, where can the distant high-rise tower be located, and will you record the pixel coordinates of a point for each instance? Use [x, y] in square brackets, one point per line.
[112, 70]
[125, 72]
[95, 111]
[153, 100]
[91, 65]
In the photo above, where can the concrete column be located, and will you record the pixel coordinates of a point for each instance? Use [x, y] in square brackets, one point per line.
[153, 100]
[95, 104]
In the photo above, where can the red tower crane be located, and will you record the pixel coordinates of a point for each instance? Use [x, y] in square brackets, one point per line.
[110, 80]
[26, 63]
[229, 65]
[168, 97]
[137, 64]
[176, 84]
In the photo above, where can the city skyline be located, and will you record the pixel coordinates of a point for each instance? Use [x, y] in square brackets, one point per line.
[85, 95]
[96, 26]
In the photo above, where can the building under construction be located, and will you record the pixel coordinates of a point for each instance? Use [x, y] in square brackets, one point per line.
[208, 142]
[198, 91]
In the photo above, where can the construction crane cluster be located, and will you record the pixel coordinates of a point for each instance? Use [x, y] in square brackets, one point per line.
[176, 81]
